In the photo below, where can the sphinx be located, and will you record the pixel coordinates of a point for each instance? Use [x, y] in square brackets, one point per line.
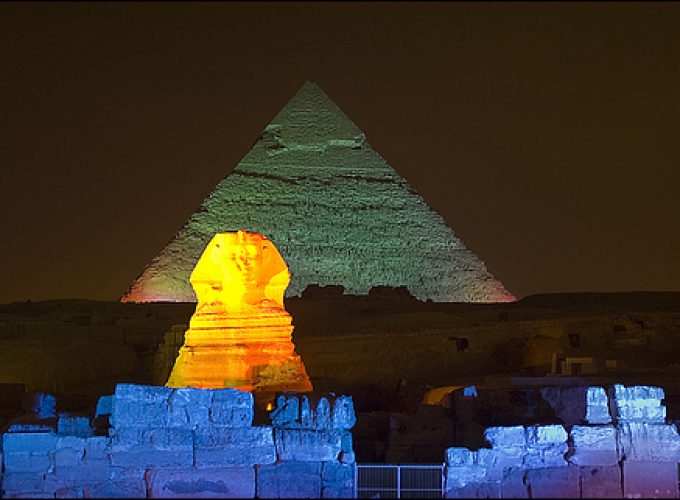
[240, 334]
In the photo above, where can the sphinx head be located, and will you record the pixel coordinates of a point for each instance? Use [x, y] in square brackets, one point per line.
[239, 271]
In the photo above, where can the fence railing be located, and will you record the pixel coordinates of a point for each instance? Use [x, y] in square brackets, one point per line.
[399, 481]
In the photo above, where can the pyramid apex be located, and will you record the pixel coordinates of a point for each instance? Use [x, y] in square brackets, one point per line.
[311, 117]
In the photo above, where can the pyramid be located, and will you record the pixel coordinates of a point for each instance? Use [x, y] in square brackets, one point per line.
[337, 212]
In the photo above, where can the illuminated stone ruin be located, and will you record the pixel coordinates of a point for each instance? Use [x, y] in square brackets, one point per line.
[240, 334]
[337, 212]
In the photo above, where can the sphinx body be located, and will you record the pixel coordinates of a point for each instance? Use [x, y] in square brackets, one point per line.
[240, 334]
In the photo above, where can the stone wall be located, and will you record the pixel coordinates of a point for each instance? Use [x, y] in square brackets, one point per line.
[623, 448]
[173, 443]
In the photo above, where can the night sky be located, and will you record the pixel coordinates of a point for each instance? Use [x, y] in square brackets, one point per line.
[547, 135]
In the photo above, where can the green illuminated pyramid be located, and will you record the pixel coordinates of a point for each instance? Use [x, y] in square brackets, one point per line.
[336, 211]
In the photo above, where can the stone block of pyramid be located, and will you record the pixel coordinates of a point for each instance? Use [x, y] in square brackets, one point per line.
[337, 212]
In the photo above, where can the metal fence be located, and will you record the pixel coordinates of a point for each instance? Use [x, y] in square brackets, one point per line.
[399, 481]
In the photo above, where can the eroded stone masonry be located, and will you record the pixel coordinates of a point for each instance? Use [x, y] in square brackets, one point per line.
[624, 448]
[165, 442]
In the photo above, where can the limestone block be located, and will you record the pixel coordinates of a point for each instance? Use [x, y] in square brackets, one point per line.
[96, 448]
[637, 393]
[306, 414]
[649, 442]
[598, 415]
[637, 413]
[596, 396]
[308, 445]
[458, 457]
[346, 442]
[513, 483]
[24, 461]
[347, 457]
[457, 477]
[557, 482]
[223, 414]
[337, 480]
[545, 435]
[335, 472]
[245, 446]
[546, 446]
[15, 494]
[342, 415]
[117, 489]
[638, 403]
[293, 411]
[138, 414]
[70, 451]
[289, 480]
[67, 457]
[190, 408]
[497, 459]
[650, 479]
[129, 473]
[14, 483]
[178, 417]
[322, 415]
[170, 439]
[193, 397]
[104, 406]
[68, 492]
[78, 476]
[29, 442]
[601, 482]
[597, 406]
[551, 456]
[337, 491]
[142, 457]
[224, 482]
[68, 425]
[233, 397]
[568, 403]
[286, 415]
[594, 445]
[151, 394]
[23, 427]
[475, 490]
[513, 436]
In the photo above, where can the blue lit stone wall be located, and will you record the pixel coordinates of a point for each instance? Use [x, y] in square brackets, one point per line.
[336, 211]
[166, 443]
[623, 449]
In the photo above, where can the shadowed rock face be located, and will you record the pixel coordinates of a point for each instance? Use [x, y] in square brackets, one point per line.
[337, 212]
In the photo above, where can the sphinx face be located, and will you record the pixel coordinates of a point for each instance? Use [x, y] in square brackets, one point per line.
[238, 272]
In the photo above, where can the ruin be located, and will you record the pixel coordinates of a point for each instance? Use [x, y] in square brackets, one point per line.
[240, 334]
[337, 212]
[160, 442]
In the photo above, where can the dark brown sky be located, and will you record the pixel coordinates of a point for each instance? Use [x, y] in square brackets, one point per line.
[547, 135]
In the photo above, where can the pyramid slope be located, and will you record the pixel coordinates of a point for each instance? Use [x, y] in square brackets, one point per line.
[337, 212]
